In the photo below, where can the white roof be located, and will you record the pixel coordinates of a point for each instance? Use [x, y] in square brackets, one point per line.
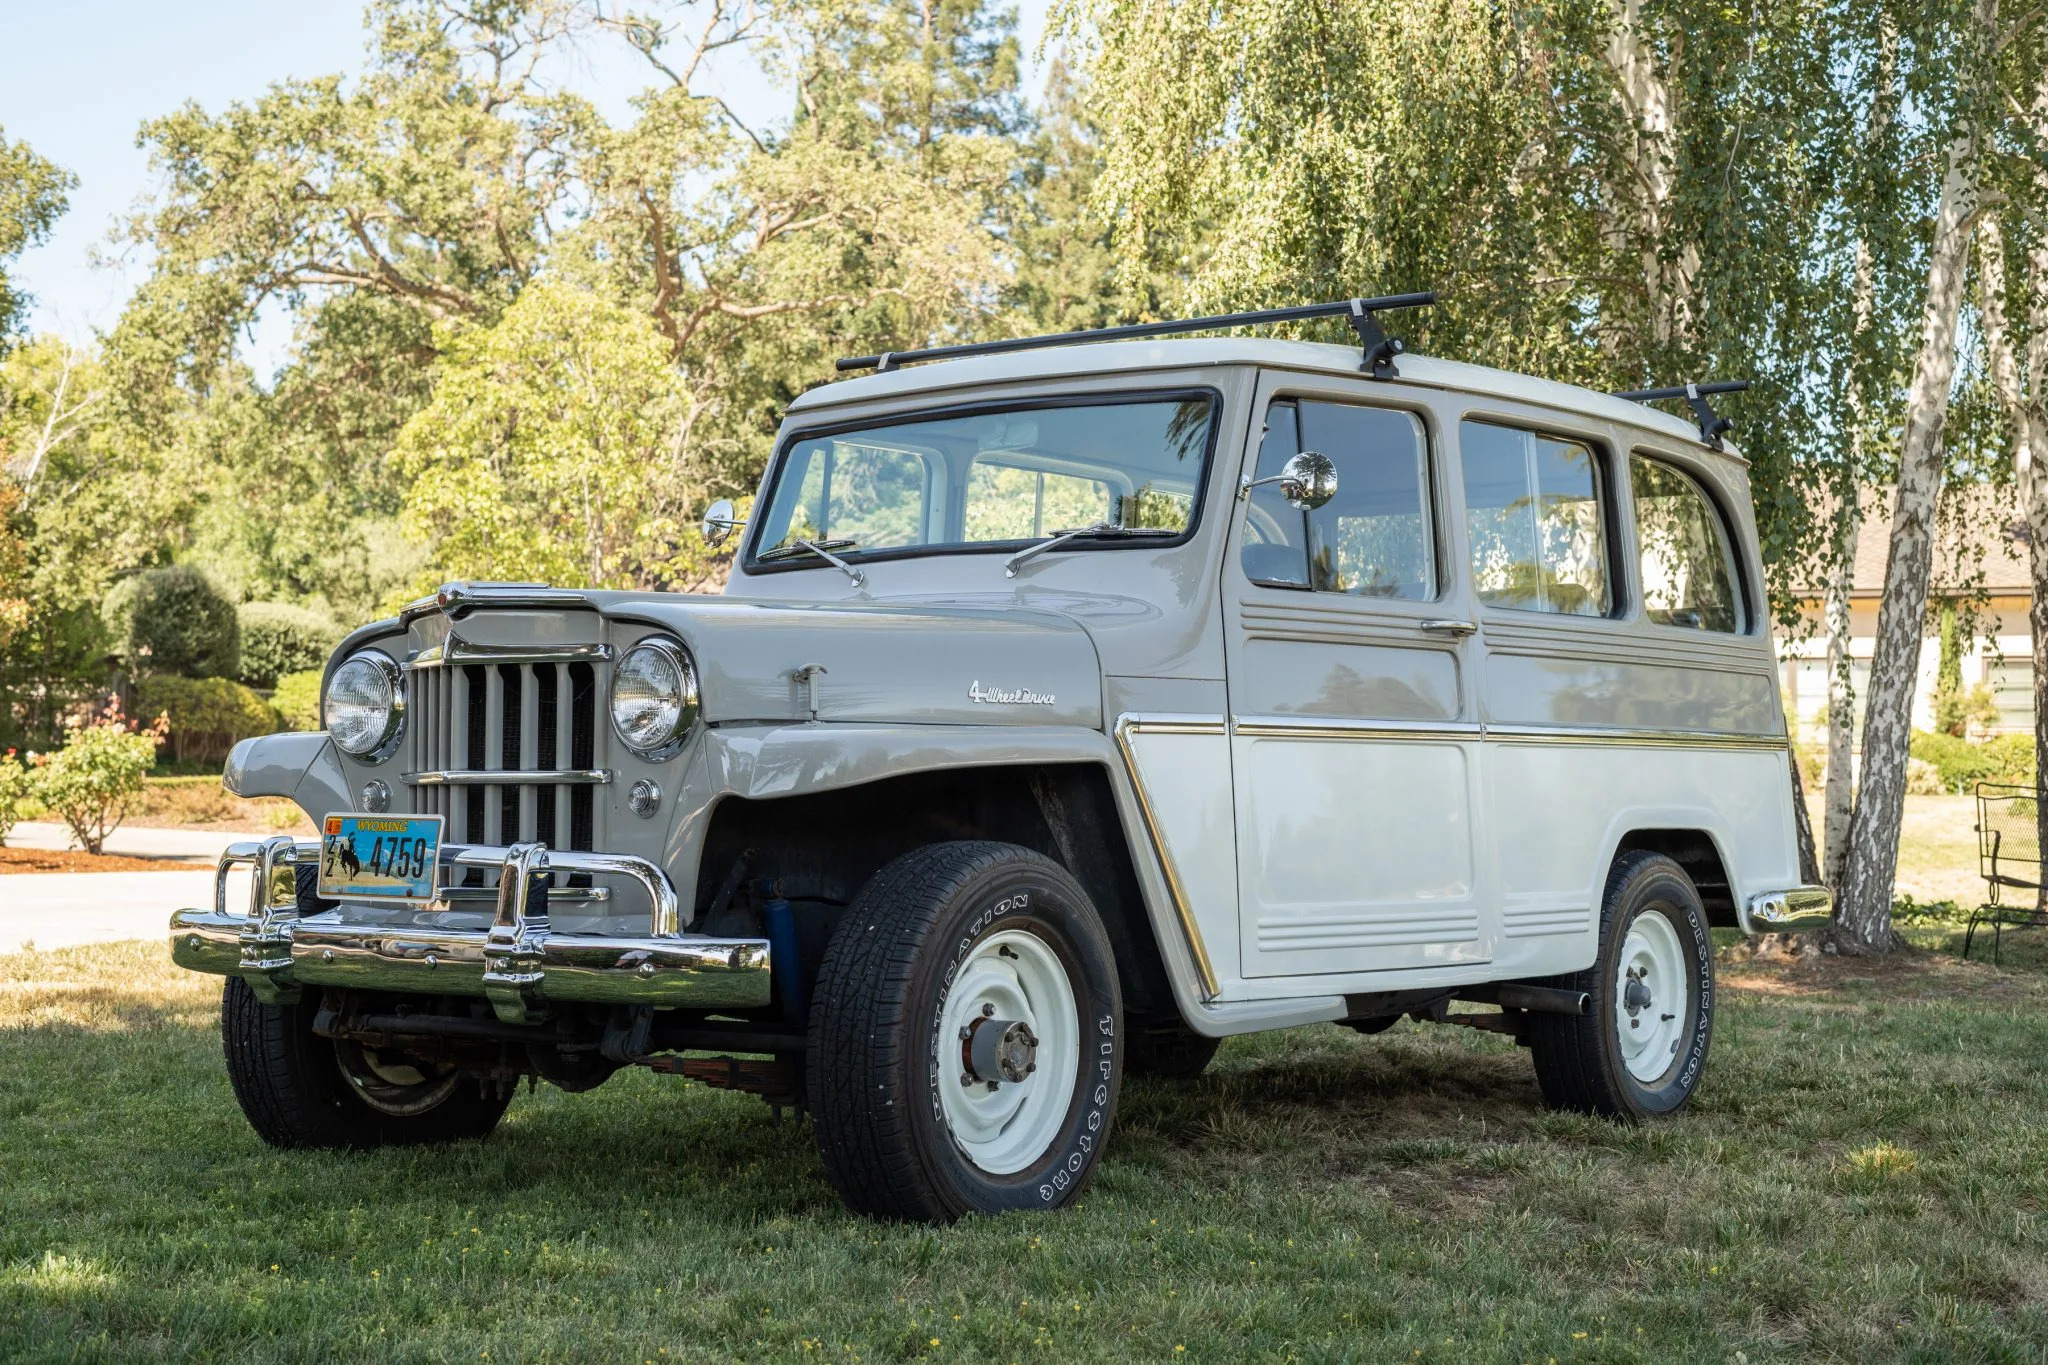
[1098, 357]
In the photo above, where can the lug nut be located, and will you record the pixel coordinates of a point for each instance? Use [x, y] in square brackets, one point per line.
[988, 1011]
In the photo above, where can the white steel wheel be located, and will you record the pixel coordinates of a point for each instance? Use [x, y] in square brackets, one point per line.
[1012, 1010]
[1651, 997]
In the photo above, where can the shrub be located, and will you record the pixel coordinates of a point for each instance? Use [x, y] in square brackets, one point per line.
[90, 781]
[1961, 765]
[278, 638]
[13, 791]
[207, 716]
[173, 620]
[297, 700]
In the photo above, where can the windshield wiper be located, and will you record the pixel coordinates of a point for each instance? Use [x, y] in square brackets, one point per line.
[822, 551]
[1103, 530]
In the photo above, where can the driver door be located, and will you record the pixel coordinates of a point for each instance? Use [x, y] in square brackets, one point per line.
[1354, 738]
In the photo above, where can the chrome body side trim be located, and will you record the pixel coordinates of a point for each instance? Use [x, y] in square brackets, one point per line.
[1771, 912]
[508, 777]
[519, 963]
[1319, 727]
[1126, 726]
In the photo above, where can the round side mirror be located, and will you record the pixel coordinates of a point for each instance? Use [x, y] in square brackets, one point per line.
[720, 521]
[1308, 480]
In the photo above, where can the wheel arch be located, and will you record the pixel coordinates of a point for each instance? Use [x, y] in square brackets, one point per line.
[823, 843]
[1694, 849]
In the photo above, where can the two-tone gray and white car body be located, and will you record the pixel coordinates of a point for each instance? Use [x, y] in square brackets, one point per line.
[1287, 806]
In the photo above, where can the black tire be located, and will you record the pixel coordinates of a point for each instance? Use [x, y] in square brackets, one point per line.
[1168, 1052]
[1579, 1060]
[876, 1059]
[292, 1086]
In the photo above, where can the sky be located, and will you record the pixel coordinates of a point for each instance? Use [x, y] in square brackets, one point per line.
[78, 78]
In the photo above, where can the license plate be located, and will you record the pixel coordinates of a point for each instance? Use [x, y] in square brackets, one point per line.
[379, 857]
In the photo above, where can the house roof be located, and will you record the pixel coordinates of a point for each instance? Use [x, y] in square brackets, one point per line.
[1980, 532]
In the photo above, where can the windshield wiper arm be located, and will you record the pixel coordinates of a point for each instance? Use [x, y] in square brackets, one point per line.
[822, 551]
[1104, 529]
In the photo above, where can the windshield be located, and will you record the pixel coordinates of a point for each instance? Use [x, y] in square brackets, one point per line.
[990, 479]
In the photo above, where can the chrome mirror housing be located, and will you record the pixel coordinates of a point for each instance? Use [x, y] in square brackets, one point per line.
[721, 519]
[1307, 481]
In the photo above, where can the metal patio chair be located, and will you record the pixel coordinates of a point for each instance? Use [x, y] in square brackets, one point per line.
[2009, 859]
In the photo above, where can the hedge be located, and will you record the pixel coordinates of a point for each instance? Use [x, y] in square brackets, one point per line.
[297, 699]
[278, 638]
[173, 620]
[208, 716]
[1961, 765]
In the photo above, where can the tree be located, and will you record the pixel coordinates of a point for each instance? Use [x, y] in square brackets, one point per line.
[549, 451]
[1863, 912]
[32, 198]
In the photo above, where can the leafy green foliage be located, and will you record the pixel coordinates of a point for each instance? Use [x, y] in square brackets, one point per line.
[32, 198]
[90, 781]
[205, 717]
[13, 791]
[279, 638]
[173, 620]
[1960, 764]
[297, 700]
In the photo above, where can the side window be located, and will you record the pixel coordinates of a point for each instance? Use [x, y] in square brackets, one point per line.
[1533, 515]
[1689, 574]
[1374, 539]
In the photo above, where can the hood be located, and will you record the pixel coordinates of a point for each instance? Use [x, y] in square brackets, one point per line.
[914, 664]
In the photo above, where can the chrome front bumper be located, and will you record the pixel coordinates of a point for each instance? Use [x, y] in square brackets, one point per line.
[519, 963]
[1775, 912]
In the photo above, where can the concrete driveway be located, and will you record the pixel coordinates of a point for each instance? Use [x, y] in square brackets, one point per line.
[64, 909]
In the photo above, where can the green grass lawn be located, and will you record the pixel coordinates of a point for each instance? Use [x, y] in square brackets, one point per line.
[1863, 1177]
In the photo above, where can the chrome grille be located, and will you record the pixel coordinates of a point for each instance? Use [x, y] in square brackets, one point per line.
[505, 747]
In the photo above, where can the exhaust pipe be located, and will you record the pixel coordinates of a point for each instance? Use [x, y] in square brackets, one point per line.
[1544, 999]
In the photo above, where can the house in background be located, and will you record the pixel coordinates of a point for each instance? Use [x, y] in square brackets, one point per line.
[1992, 572]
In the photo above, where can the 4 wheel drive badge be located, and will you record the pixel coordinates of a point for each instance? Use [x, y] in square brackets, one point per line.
[1004, 696]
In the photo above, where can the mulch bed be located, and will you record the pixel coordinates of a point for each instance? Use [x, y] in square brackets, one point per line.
[75, 860]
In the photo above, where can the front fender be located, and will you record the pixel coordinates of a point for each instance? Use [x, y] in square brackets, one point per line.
[302, 766]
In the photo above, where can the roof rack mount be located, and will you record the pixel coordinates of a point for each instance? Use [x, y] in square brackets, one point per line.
[1695, 395]
[1379, 348]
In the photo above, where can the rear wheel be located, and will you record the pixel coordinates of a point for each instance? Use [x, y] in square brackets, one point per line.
[299, 1089]
[1643, 1048]
[965, 1037]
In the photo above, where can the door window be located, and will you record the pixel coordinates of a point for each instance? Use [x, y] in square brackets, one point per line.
[1688, 570]
[1374, 539]
[1533, 515]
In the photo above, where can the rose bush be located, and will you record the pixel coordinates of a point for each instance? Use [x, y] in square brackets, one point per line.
[90, 781]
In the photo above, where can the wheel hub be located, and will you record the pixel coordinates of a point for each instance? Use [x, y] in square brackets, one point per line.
[1652, 997]
[998, 1050]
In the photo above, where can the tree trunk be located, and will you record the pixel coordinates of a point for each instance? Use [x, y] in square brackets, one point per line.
[1840, 802]
[2024, 394]
[1863, 914]
[1645, 94]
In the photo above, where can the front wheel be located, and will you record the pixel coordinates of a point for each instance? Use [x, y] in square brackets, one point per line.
[965, 1037]
[299, 1089]
[1643, 1048]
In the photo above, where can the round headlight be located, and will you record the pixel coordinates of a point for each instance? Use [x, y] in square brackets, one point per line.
[654, 698]
[365, 707]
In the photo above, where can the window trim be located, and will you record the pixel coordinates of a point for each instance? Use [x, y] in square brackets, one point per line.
[750, 564]
[1619, 599]
[1745, 600]
[1432, 484]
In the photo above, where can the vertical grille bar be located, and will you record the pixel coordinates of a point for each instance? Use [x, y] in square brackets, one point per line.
[565, 728]
[508, 795]
[529, 749]
[494, 752]
[472, 721]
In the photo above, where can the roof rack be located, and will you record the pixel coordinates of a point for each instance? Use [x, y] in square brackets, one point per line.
[1695, 395]
[1379, 348]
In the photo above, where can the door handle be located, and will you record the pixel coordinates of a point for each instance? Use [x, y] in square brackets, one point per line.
[1440, 625]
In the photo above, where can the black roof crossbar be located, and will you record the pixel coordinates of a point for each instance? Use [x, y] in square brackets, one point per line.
[1695, 395]
[1380, 349]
